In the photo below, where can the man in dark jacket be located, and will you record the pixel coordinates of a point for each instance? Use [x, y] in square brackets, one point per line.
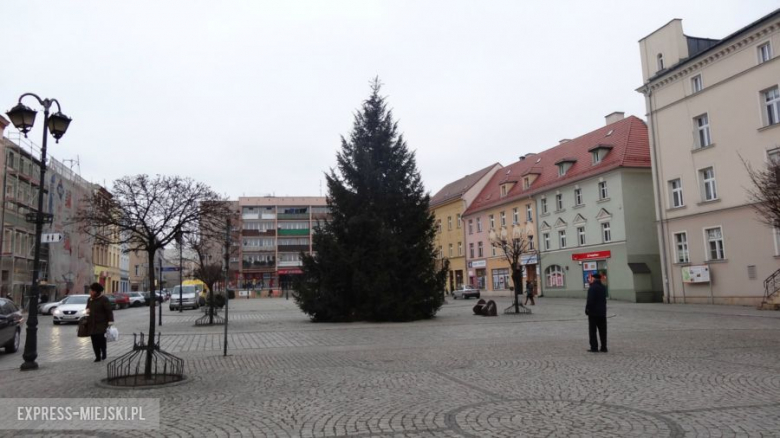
[596, 309]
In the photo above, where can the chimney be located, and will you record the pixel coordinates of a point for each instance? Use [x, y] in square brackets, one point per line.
[564, 140]
[523, 157]
[614, 117]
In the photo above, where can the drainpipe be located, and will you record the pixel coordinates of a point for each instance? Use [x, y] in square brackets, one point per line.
[538, 250]
[659, 203]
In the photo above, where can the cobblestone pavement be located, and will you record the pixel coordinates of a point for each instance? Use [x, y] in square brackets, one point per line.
[672, 371]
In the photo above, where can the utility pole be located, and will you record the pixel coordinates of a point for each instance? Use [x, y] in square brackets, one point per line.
[227, 290]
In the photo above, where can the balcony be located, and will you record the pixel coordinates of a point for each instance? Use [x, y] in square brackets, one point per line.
[258, 265]
[285, 264]
[293, 248]
[256, 233]
[284, 232]
[320, 216]
[290, 216]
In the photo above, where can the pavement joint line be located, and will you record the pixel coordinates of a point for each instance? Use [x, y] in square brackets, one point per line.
[720, 408]
[471, 385]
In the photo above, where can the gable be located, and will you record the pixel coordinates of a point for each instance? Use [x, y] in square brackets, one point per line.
[545, 226]
[579, 219]
[560, 223]
[603, 215]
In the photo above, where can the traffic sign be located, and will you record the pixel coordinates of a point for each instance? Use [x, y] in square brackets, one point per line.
[51, 238]
[170, 269]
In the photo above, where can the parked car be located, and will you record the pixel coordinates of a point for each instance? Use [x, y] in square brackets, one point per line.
[465, 291]
[112, 300]
[47, 308]
[148, 297]
[122, 299]
[10, 325]
[189, 298]
[136, 299]
[74, 309]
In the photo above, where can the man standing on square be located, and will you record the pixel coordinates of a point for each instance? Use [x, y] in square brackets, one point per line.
[596, 309]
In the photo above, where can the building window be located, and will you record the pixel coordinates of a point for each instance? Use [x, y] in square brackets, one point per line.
[561, 170]
[715, 243]
[515, 216]
[773, 156]
[703, 130]
[675, 188]
[471, 226]
[581, 235]
[595, 157]
[606, 232]
[764, 53]
[460, 248]
[503, 190]
[492, 222]
[441, 253]
[501, 279]
[449, 250]
[449, 223]
[530, 243]
[681, 242]
[578, 196]
[603, 191]
[772, 106]
[480, 250]
[544, 205]
[479, 224]
[696, 84]
[457, 221]
[493, 250]
[471, 250]
[503, 218]
[554, 275]
[546, 239]
[562, 238]
[660, 61]
[529, 217]
[559, 202]
[438, 226]
[526, 183]
[710, 190]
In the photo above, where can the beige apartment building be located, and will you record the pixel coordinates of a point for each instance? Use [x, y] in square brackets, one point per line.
[712, 103]
[448, 205]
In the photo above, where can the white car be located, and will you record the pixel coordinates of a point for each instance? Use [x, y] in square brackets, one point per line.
[189, 298]
[71, 311]
[47, 308]
[136, 299]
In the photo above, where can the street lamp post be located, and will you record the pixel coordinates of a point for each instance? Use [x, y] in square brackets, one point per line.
[180, 241]
[23, 118]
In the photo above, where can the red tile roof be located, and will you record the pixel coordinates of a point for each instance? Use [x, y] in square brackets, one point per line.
[457, 188]
[630, 148]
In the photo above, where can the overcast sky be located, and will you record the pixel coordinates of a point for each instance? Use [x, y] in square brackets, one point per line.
[251, 97]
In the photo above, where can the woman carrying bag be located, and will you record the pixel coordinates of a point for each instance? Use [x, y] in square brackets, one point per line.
[99, 317]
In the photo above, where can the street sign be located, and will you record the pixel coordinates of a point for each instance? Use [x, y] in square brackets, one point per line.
[34, 217]
[51, 238]
[170, 269]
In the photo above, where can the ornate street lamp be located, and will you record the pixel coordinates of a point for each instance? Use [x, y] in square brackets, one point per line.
[23, 118]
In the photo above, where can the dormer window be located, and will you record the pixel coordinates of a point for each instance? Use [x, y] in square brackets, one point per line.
[506, 187]
[599, 152]
[526, 183]
[660, 60]
[503, 190]
[564, 165]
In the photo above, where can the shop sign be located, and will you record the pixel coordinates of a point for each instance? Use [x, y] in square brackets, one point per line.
[477, 264]
[595, 255]
[289, 271]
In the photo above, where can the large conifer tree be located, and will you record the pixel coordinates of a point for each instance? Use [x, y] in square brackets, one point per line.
[374, 258]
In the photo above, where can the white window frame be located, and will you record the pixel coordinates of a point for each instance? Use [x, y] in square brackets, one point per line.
[764, 52]
[595, 157]
[515, 216]
[471, 250]
[503, 190]
[449, 250]
[544, 205]
[676, 193]
[531, 242]
[502, 216]
[471, 226]
[578, 196]
[526, 183]
[557, 271]
[681, 251]
[480, 249]
[709, 186]
[562, 239]
[770, 99]
[546, 240]
[493, 250]
[603, 190]
[581, 236]
[529, 213]
[703, 135]
[492, 222]
[773, 157]
[449, 223]
[697, 84]
[720, 246]
[561, 170]
[606, 232]
[479, 224]
[460, 249]
[457, 221]
[559, 202]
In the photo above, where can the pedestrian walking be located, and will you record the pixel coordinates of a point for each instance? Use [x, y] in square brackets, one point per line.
[596, 309]
[99, 317]
[529, 293]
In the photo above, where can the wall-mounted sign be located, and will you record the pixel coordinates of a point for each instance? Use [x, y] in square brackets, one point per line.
[477, 264]
[595, 255]
[696, 274]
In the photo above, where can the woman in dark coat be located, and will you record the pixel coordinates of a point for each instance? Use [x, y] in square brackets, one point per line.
[99, 317]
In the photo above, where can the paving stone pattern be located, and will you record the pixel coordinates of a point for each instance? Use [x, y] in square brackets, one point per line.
[672, 371]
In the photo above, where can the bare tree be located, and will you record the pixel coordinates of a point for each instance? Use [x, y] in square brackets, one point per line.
[514, 245]
[147, 213]
[765, 193]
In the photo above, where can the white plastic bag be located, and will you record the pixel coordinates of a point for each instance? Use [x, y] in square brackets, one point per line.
[112, 334]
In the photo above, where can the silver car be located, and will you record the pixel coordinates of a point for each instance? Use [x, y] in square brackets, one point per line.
[189, 298]
[47, 308]
[75, 308]
[465, 291]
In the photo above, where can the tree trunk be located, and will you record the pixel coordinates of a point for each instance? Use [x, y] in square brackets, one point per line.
[517, 280]
[152, 305]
